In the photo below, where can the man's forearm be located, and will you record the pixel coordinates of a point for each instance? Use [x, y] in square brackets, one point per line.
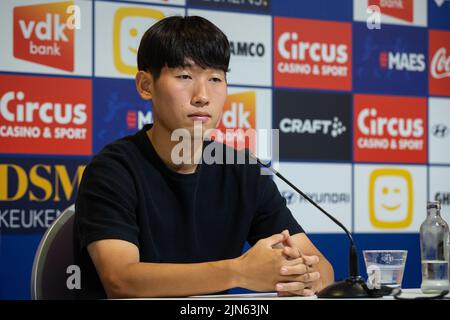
[171, 280]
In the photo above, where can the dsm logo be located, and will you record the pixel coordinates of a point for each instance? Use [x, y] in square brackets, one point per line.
[391, 198]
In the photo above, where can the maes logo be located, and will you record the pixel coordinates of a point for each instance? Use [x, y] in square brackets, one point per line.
[130, 23]
[390, 198]
[42, 35]
[400, 9]
[137, 119]
[402, 61]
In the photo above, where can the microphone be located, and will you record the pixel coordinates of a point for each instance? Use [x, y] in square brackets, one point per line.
[352, 287]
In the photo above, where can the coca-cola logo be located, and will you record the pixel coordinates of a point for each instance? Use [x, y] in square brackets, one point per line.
[440, 64]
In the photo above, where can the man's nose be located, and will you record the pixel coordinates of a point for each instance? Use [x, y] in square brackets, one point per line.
[200, 97]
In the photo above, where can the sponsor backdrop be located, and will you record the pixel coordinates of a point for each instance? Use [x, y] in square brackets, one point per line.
[359, 90]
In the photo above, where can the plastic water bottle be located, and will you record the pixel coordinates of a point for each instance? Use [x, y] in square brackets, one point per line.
[434, 246]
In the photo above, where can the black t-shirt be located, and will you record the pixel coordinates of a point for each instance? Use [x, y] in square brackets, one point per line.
[128, 193]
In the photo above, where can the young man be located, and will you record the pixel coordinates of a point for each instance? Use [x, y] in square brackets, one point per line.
[149, 226]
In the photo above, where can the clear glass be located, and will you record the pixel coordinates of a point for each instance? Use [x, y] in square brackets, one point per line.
[385, 267]
[434, 246]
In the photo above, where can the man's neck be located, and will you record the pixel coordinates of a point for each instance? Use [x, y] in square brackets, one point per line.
[160, 138]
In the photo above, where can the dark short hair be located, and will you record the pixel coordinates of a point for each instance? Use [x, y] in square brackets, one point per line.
[172, 40]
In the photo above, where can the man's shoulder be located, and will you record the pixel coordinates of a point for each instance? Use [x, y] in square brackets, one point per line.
[122, 152]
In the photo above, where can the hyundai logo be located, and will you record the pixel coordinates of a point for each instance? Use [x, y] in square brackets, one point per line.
[440, 130]
[289, 196]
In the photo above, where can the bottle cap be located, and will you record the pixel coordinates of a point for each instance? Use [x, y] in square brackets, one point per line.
[434, 205]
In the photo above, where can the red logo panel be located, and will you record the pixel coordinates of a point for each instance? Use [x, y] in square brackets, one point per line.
[45, 115]
[439, 49]
[312, 54]
[41, 35]
[390, 129]
[400, 9]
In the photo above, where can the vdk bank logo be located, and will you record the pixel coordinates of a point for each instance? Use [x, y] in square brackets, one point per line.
[390, 198]
[400, 9]
[238, 120]
[42, 35]
[130, 23]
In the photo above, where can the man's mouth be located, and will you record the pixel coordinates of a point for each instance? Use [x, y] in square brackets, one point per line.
[200, 116]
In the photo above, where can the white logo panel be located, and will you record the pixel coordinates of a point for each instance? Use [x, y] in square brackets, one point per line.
[332, 193]
[440, 189]
[251, 45]
[52, 27]
[439, 130]
[118, 31]
[389, 198]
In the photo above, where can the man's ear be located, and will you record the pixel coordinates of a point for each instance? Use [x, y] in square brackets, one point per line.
[144, 85]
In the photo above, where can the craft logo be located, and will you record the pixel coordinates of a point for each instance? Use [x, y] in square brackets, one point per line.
[238, 123]
[439, 77]
[390, 129]
[130, 23]
[312, 54]
[401, 61]
[33, 192]
[45, 115]
[332, 127]
[400, 9]
[41, 35]
[313, 126]
[391, 198]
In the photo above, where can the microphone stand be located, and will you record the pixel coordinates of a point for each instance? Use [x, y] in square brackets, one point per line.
[352, 287]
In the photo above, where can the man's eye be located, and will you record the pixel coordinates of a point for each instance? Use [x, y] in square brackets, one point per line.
[216, 79]
[184, 77]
